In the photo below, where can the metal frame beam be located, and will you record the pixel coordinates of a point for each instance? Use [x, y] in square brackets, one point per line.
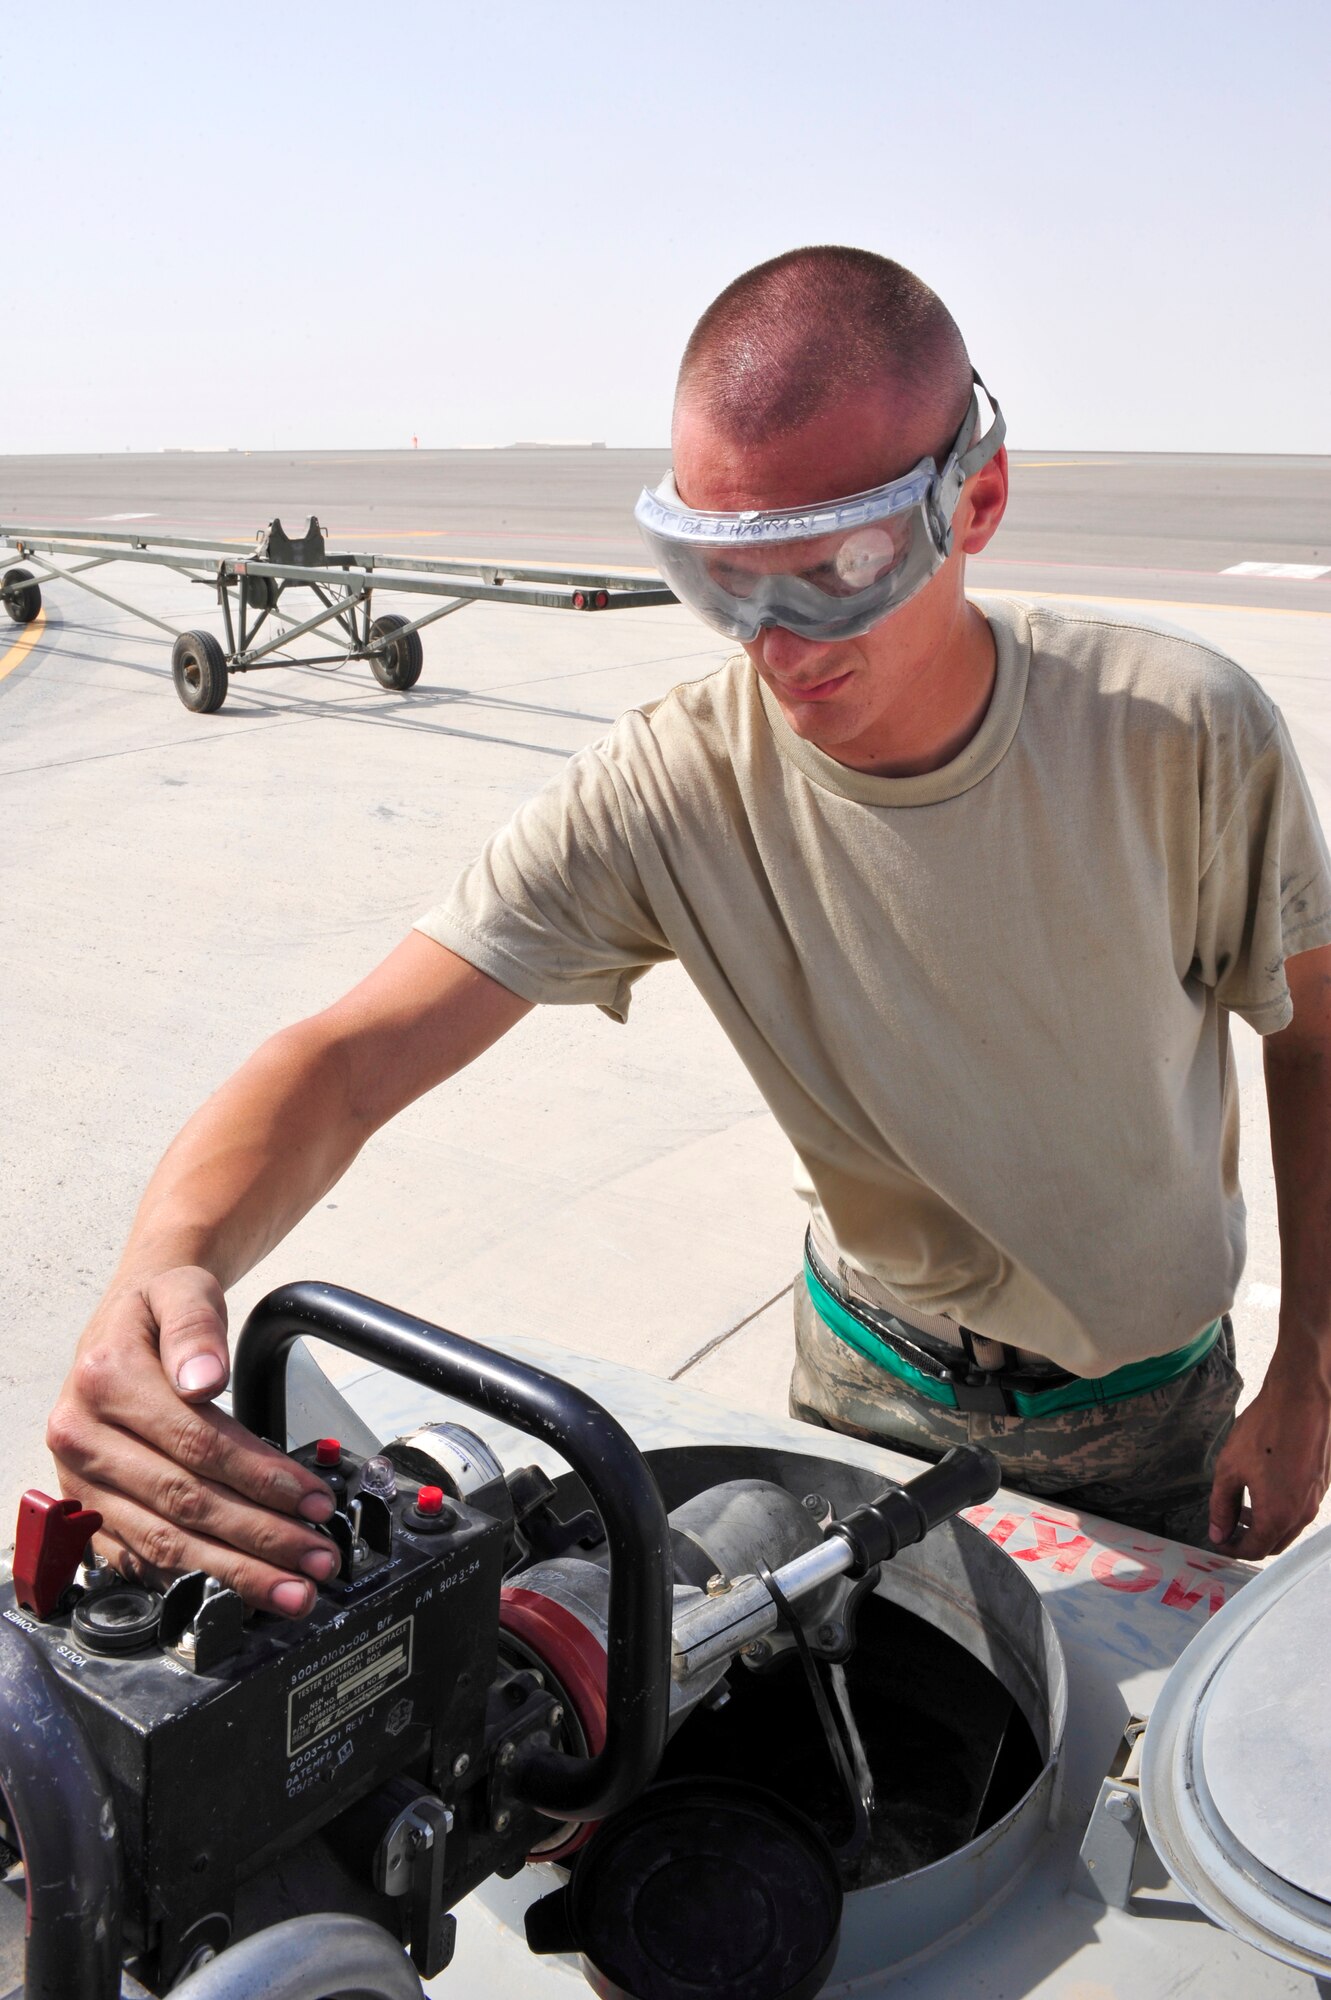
[285, 618]
[497, 572]
[359, 649]
[322, 617]
[347, 620]
[343, 585]
[29, 546]
[627, 584]
[72, 576]
[133, 541]
[495, 593]
[98, 562]
[418, 624]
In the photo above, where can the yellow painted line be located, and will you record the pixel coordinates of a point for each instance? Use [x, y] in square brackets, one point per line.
[1165, 604]
[21, 648]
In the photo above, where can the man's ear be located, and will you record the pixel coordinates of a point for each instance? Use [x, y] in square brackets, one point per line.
[983, 504]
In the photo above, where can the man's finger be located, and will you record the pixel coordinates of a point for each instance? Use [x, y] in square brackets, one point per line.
[1254, 1543]
[190, 1312]
[155, 1551]
[112, 1407]
[110, 1397]
[1274, 1526]
[1226, 1501]
[1267, 1526]
[186, 1505]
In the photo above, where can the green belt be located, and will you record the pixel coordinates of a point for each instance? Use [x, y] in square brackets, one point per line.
[1081, 1393]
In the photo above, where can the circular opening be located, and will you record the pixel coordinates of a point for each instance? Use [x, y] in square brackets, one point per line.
[949, 1750]
[118, 1619]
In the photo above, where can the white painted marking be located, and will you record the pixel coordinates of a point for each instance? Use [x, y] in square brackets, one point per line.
[1262, 1295]
[1305, 571]
[124, 517]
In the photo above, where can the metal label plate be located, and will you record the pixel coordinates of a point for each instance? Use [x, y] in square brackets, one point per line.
[348, 1685]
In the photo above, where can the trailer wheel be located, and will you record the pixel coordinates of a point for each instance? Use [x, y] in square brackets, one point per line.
[399, 665]
[22, 597]
[198, 668]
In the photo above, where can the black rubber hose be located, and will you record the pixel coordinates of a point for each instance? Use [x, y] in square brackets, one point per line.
[599, 1450]
[59, 1803]
[965, 1476]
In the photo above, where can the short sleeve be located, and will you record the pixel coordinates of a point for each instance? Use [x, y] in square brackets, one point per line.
[1265, 891]
[554, 907]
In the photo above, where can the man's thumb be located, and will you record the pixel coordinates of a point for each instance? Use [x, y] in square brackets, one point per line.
[1226, 1500]
[191, 1316]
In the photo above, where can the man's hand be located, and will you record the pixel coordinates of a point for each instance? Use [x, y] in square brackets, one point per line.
[179, 1485]
[1280, 1450]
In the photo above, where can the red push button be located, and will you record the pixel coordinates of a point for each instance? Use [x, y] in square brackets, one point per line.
[48, 1548]
[430, 1500]
[328, 1452]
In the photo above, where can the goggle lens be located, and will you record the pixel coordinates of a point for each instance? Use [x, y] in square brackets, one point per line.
[829, 571]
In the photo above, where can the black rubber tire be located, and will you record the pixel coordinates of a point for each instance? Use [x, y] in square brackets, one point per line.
[399, 665]
[22, 597]
[198, 668]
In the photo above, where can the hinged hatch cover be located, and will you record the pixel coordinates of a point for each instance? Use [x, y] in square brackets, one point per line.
[1236, 1764]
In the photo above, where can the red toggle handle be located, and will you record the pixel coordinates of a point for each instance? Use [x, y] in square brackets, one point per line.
[48, 1548]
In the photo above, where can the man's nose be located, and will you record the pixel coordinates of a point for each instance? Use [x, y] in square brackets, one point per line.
[784, 652]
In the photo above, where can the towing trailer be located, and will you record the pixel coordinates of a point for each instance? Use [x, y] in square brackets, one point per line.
[253, 581]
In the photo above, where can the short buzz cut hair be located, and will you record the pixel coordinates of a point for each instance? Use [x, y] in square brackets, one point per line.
[793, 336]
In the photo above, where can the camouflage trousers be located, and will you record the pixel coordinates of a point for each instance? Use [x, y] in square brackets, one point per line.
[1146, 1460]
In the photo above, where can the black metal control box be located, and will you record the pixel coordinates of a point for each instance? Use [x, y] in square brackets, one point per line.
[388, 1676]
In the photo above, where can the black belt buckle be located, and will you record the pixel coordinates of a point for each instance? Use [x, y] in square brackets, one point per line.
[982, 1394]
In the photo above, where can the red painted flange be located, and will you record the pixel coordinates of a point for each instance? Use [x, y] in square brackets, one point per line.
[576, 1659]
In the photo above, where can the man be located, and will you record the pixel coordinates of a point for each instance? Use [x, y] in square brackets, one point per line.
[973, 892]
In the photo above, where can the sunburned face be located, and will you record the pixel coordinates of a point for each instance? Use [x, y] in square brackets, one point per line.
[896, 695]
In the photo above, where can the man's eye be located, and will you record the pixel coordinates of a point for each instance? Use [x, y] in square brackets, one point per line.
[739, 582]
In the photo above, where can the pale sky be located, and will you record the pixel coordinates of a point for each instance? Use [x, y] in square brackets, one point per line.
[340, 225]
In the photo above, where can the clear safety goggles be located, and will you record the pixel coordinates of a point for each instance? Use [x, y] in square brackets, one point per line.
[828, 571]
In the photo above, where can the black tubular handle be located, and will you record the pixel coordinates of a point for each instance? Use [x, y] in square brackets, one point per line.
[59, 1803]
[963, 1477]
[599, 1450]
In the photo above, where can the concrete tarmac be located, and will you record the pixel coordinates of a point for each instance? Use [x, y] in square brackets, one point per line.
[178, 885]
[1101, 524]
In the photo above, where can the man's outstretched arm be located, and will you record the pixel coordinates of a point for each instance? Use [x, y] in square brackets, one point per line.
[179, 1484]
[1280, 1448]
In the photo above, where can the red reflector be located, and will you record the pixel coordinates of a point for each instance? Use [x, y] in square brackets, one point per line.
[430, 1500]
[328, 1451]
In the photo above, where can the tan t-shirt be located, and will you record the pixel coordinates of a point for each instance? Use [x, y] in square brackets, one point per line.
[989, 1004]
